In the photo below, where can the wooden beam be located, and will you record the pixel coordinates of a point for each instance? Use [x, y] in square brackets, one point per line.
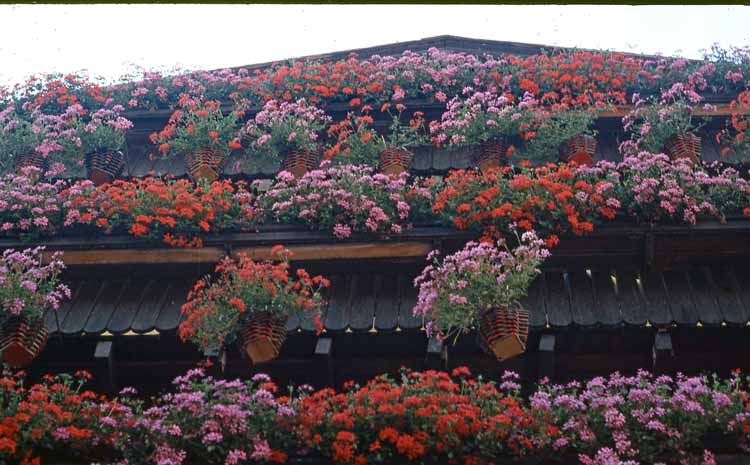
[722, 109]
[344, 251]
[136, 257]
[624, 241]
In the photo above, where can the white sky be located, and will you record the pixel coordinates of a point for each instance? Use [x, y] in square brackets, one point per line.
[108, 39]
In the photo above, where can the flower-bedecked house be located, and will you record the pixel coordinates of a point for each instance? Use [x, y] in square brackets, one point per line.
[550, 246]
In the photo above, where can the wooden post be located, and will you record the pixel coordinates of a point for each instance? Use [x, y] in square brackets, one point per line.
[663, 353]
[218, 359]
[437, 354]
[324, 353]
[546, 367]
[649, 250]
[105, 372]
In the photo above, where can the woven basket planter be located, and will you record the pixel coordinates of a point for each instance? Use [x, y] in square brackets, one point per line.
[684, 146]
[395, 160]
[503, 331]
[31, 159]
[261, 337]
[299, 162]
[579, 149]
[21, 341]
[491, 154]
[204, 165]
[104, 167]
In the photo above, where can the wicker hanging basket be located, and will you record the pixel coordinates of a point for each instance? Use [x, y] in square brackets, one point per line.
[31, 159]
[205, 164]
[395, 160]
[491, 154]
[579, 149]
[503, 331]
[300, 161]
[21, 341]
[104, 166]
[684, 146]
[261, 337]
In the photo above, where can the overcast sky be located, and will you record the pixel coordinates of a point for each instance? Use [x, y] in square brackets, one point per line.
[108, 39]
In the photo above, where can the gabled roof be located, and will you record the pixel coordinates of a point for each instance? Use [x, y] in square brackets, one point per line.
[443, 42]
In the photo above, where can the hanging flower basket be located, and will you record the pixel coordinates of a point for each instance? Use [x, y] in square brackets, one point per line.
[503, 331]
[31, 159]
[395, 160]
[204, 165]
[579, 149]
[684, 146]
[104, 166]
[262, 336]
[298, 162]
[21, 341]
[491, 154]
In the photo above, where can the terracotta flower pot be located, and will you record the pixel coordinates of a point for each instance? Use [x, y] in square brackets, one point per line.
[684, 146]
[503, 331]
[204, 165]
[579, 149]
[299, 162]
[31, 159]
[262, 336]
[21, 341]
[103, 167]
[395, 160]
[491, 154]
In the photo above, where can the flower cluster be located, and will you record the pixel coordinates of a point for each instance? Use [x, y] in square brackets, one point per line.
[18, 137]
[206, 421]
[425, 417]
[27, 287]
[549, 129]
[56, 418]
[354, 141]
[281, 127]
[53, 93]
[628, 419]
[216, 310]
[551, 200]
[454, 293]
[570, 77]
[481, 117]
[55, 114]
[177, 212]
[655, 189]
[401, 135]
[30, 210]
[735, 138]
[198, 125]
[652, 123]
[420, 417]
[341, 199]
[63, 136]
[81, 133]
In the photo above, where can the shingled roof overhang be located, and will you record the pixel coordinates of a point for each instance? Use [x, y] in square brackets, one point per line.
[382, 300]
